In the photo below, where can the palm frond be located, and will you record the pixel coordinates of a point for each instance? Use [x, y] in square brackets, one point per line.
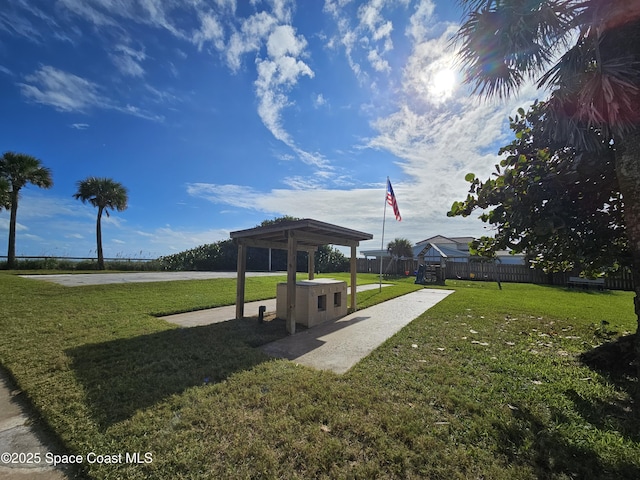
[600, 91]
[5, 199]
[103, 193]
[505, 42]
[609, 98]
[19, 169]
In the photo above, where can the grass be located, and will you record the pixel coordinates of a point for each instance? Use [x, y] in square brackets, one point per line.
[487, 384]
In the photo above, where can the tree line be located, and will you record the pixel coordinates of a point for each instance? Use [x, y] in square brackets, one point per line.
[223, 255]
[19, 169]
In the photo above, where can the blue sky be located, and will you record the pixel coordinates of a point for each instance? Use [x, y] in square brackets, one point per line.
[219, 114]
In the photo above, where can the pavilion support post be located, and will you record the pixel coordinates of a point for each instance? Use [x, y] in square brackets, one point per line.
[311, 263]
[241, 274]
[353, 279]
[292, 250]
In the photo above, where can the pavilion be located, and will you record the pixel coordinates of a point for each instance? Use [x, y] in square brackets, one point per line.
[305, 235]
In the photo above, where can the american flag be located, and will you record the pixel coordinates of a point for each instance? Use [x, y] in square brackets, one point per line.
[391, 200]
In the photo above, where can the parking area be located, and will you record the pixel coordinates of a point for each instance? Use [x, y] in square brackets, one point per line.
[80, 279]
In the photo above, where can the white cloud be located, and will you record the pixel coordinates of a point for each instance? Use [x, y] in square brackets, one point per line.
[283, 42]
[319, 101]
[14, 24]
[277, 74]
[249, 38]
[91, 11]
[211, 30]
[233, 195]
[347, 37]
[140, 113]
[419, 22]
[335, 6]
[371, 19]
[67, 92]
[171, 239]
[302, 183]
[316, 159]
[282, 9]
[80, 126]
[127, 60]
[229, 5]
[103, 13]
[295, 202]
[377, 62]
[113, 220]
[4, 224]
[270, 105]
[436, 148]
[423, 77]
[62, 90]
[358, 208]
[369, 38]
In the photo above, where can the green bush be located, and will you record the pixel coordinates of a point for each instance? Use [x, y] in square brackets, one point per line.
[52, 263]
[223, 255]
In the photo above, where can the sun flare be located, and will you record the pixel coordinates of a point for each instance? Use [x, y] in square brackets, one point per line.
[443, 84]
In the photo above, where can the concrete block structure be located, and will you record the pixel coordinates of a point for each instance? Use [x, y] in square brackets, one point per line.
[317, 301]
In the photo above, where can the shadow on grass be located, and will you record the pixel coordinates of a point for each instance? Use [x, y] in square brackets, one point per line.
[307, 340]
[582, 290]
[525, 439]
[615, 360]
[123, 376]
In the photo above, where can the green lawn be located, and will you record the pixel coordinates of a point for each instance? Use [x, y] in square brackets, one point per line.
[487, 384]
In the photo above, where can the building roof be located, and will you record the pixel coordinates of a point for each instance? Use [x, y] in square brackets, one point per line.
[309, 234]
[445, 250]
[440, 239]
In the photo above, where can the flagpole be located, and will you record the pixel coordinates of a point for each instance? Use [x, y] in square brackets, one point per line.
[384, 218]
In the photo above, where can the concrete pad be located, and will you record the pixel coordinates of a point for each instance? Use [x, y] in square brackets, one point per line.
[219, 314]
[338, 346]
[81, 279]
[222, 314]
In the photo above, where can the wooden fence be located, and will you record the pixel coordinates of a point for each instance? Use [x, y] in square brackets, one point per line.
[488, 271]
[523, 274]
[389, 266]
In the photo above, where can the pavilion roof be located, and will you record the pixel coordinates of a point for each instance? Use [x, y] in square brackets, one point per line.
[309, 234]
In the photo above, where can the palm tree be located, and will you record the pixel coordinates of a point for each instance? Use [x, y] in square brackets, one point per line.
[4, 195]
[17, 170]
[594, 86]
[401, 248]
[105, 194]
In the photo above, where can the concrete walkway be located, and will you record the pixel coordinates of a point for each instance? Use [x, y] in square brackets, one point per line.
[338, 345]
[222, 314]
[18, 435]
